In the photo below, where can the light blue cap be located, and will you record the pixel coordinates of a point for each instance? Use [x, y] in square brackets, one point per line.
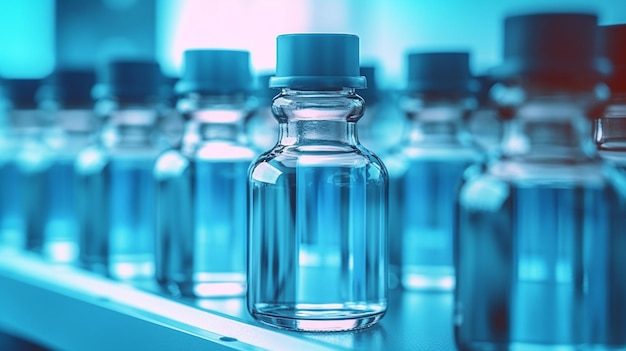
[215, 71]
[317, 61]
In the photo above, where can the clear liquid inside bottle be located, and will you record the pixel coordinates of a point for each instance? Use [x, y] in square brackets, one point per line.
[318, 217]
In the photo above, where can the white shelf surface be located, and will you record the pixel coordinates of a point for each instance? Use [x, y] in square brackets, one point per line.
[66, 308]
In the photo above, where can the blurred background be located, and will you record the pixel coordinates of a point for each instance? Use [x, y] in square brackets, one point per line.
[41, 34]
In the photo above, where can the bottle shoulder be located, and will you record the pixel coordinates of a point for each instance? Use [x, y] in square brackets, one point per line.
[171, 163]
[491, 182]
[91, 160]
[290, 159]
[443, 152]
[320, 155]
[33, 157]
[223, 151]
[486, 189]
[399, 159]
[174, 162]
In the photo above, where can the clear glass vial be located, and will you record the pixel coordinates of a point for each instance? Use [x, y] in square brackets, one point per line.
[116, 186]
[535, 226]
[609, 312]
[202, 186]
[426, 167]
[317, 256]
[20, 157]
[66, 107]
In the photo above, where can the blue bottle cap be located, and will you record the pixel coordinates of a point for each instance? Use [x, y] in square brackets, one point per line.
[551, 45]
[440, 72]
[371, 93]
[317, 61]
[70, 86]
[132, 79]
[213, 71]
[613, 47]
[21, 93]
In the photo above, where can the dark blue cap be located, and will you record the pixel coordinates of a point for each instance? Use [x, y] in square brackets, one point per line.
[613, 47]
[214, 71]
[69, 86]
[317, 61]
[21, 93]
[440, 72]
[133, 79]
[551, 45]
[371, 93]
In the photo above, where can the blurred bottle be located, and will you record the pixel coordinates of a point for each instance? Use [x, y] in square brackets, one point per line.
[263, 128]
[201, 186]
[537, 230]
[609, 307]
[116, 185]
[425, 169]
[483, 124]
[20, 154]
[68, 124]
[317, 257]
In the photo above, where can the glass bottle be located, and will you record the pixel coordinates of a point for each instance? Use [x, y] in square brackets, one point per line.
[116, 186]
[610, 135]
[20, 153]
[426, 167]
[532, 226]
[66, 110]
[201, 186]
[317, 258]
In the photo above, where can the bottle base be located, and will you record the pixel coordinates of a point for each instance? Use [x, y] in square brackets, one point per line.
[318, 319]
[61, 251]
[131, 269]
[428, 278]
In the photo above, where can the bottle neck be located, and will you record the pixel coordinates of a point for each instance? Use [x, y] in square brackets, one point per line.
[318, 117]
[549, 128]
[435, 121]
[216, 117]
[130, 123]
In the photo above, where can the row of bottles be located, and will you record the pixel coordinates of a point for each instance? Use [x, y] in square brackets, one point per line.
[504, 200]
